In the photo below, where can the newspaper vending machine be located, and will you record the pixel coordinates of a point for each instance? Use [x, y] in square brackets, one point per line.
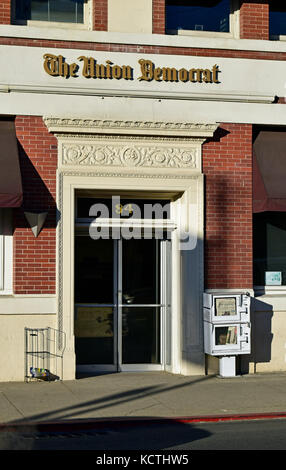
[227, 328]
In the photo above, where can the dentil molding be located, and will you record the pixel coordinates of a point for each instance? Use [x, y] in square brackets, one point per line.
[108, 126]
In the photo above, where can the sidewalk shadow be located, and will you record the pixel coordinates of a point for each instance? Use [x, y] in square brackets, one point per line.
[128, 432]
[108, 401]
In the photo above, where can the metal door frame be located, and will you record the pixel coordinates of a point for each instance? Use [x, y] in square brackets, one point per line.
[117, 306]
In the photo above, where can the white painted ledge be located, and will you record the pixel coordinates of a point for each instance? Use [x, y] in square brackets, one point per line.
[228, 97]
[65, 34]
[28, 305]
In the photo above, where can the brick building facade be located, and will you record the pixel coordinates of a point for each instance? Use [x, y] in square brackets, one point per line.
[187, 140]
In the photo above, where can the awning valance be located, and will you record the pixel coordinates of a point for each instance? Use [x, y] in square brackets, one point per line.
[11, 193]
[269, 171]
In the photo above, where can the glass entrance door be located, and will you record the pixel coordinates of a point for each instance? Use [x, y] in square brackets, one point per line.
[140, 303]
[119, 305]
[94, 325]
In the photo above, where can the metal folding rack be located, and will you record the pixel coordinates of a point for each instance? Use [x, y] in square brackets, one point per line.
[44, 350]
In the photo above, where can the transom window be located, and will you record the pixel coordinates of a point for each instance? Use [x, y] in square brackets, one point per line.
[63, 11]
[211, 15]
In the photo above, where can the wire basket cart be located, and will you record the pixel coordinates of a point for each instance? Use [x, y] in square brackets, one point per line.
[44, 350]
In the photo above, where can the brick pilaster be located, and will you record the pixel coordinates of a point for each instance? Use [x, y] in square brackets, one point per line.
[254, 20]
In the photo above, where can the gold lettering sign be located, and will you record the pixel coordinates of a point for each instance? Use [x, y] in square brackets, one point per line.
[149, 72]
[58, 67]
[88, 67]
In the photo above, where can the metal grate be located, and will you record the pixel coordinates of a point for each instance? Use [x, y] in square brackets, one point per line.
[44, 349]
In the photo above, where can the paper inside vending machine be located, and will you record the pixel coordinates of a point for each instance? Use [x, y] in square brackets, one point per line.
[227, 327]
[227, 339]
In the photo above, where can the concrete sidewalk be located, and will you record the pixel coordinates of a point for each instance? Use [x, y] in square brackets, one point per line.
[151, 395]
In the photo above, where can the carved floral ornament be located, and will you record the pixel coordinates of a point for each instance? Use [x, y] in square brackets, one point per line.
[130, 156]
[129, 144]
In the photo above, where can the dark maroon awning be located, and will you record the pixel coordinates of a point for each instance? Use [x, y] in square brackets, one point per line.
[269, 171]
[11, 193]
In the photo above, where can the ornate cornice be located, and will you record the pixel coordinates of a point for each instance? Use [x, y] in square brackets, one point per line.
[108, 126]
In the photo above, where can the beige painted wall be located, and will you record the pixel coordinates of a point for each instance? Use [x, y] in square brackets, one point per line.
[130, 16]
[269, 341]
[12, 344]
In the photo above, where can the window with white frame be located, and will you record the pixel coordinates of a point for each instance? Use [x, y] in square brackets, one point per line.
[6, 247]
[204, 18]
[65, 12]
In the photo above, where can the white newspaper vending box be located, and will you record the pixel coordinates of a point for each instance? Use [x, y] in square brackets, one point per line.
[227, 328]
[226, 308]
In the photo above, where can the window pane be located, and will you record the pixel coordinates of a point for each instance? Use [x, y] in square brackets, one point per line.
[190, 15]
[93, 270]
[141, 335]
[141, 271]
[39, 10]
[225, 335]
[67, 11]
[94, 334]
[277, 19]
[269, 245]
[23, 10]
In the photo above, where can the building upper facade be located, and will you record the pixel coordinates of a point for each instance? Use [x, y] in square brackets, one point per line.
[182, 20]
[170, 50]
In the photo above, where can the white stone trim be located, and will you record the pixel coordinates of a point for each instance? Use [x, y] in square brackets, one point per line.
[187, 340]
[32, 104]
[208, 96]
[111, 126]
[28, 305]
[187, 266]
[130, 16]
[31, 32]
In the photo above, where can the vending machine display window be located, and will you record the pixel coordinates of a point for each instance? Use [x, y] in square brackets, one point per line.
[225, 335]
[225, 306]
[227, 339]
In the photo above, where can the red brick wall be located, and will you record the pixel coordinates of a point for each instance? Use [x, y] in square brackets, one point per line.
[159, 16]
[254, 20]
[227, 165]
[100, 19]
[5, 11]
[35, 258]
